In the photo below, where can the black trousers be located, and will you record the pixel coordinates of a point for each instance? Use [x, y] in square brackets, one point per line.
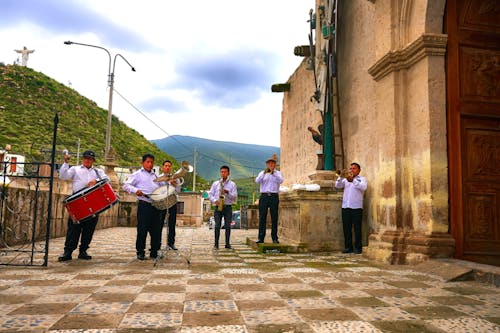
[351, 218]
[148, 221]
[85, 229]
[271, 202]
[172, 219]
[227, 213]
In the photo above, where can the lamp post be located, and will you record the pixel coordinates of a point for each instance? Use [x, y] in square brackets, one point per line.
[111, 80]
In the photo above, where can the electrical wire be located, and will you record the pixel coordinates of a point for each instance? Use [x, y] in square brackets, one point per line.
[180, 143]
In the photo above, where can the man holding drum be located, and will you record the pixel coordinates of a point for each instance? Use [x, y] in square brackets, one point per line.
[83, 176]
[142, 183]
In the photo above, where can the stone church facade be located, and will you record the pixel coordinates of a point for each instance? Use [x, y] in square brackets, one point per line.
[419, 110]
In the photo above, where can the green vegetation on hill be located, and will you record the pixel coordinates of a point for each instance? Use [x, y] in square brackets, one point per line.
[28, 103]
[245, 160]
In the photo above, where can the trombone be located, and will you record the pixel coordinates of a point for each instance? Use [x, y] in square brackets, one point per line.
[185, 167]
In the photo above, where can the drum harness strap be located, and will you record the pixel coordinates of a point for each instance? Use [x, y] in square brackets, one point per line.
[97, 173]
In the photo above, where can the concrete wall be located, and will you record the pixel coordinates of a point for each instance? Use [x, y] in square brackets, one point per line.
[19, 217]
[24, 215]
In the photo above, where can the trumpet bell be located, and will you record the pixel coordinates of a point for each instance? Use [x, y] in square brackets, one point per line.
[344, 173]
[186, 166]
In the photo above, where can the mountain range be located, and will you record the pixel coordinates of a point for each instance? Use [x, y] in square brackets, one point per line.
[244, 160]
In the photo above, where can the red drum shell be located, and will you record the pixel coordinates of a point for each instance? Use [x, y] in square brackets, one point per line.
[90, 201]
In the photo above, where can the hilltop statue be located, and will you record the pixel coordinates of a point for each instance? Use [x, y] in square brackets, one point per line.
[25, 55]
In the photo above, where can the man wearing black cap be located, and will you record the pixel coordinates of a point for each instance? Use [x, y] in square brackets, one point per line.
[83, 176]
[269, 180]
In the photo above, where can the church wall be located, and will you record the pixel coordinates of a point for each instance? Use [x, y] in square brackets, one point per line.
[393, 112]
[358, 107]
[298, 150]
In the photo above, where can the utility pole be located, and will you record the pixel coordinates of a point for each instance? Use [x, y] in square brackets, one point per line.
[194, 169]
[78, 152]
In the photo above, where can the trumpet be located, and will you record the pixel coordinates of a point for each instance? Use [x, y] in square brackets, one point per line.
[344, 173]
[268, 170]
[185, 167]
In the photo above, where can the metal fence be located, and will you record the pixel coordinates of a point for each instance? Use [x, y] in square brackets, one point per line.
[26, 209]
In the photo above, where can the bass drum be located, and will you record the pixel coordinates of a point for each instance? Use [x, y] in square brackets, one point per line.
[164, 197]
[90, 201]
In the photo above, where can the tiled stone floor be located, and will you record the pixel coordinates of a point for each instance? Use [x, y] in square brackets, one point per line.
[236, 290]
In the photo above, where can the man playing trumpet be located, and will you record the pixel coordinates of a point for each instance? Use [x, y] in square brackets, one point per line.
[352, 206]
[269, 180]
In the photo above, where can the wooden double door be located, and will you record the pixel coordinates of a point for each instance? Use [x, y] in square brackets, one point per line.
[473, 89]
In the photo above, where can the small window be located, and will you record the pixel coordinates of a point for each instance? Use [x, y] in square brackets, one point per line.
[13, 165]
[180, 207]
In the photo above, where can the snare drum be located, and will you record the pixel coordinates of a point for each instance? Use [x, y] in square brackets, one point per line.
[90, 201]
[164, 197]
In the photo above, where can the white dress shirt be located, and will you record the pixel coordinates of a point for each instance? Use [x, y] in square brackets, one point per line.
[80, 175]
[144, 181]
[269, 182]
[229, 198]
[353, 191]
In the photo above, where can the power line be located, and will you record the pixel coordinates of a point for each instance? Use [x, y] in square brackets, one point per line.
[180, 143]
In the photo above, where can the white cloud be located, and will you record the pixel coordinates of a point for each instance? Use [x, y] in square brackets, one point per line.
[204, 68]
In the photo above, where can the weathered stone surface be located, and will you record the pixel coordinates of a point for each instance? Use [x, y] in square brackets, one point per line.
[311, 220]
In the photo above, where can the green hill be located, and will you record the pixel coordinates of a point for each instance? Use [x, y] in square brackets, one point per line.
[28, 103]
[245, 160]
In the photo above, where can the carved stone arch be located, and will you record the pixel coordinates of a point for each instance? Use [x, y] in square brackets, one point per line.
[405, 21]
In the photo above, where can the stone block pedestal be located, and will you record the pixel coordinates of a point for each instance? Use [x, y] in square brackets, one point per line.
[324, 178]
[311, 220]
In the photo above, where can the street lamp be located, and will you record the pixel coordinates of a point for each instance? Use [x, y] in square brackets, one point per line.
[111, 80]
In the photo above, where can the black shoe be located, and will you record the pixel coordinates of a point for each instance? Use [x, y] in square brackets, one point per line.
[141, 257]
[358, 251]
[276, 242]
[65, 257]
[216, 247]
[228, 246]
[347, 251]
[83, 255]
[153, 255]
[173, 247]
[259, 241]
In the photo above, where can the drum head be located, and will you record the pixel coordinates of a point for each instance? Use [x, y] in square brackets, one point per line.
[162, 192]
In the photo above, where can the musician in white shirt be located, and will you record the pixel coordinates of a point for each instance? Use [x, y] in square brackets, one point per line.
[83, 176]
[172, 211]
[142, 184]
[269, 180]
[354, 187]
[223, 194]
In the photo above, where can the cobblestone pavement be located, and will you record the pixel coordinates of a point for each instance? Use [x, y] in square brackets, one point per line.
[237, 290]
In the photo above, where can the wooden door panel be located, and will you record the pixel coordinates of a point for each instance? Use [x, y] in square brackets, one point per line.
[481, 188]
[479, 73]
[473, 69]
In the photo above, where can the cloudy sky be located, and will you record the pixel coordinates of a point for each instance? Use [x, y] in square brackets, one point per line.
[203, 68]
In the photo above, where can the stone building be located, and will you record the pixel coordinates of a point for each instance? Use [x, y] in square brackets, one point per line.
[419, 108]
